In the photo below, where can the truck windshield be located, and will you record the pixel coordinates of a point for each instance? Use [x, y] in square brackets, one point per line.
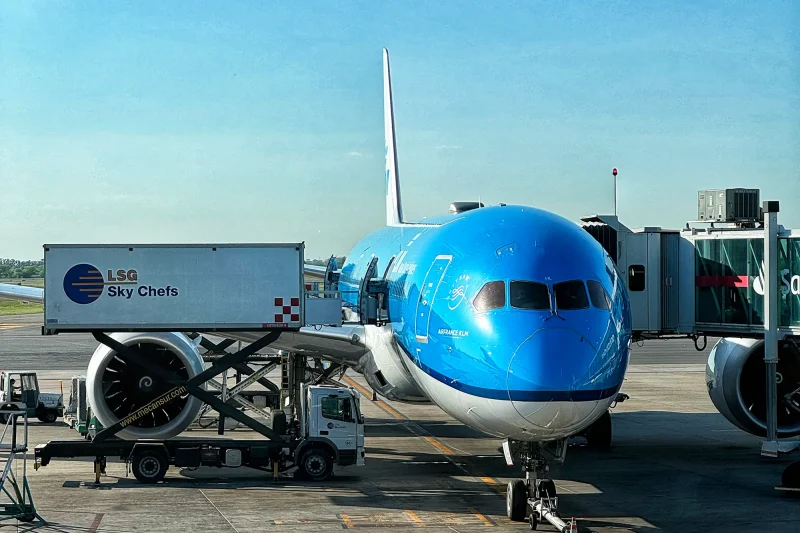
[336, 408]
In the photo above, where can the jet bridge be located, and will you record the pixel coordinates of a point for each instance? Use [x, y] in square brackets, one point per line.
[701, 280]
[735, 275]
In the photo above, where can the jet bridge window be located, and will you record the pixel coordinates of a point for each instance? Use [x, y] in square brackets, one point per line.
[636, 278]
[598, 295]
[337, 408]
[491, 296]
[570, 295]
[529, 295]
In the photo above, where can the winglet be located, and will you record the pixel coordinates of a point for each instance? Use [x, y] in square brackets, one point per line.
[394, 208]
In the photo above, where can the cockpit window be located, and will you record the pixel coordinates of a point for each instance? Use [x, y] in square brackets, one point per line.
[491, 296]
[570, 295]
[598, 295]
[529, 295]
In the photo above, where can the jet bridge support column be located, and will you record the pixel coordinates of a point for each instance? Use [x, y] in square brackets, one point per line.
[771, 447]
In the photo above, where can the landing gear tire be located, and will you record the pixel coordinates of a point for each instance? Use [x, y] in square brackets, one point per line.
[599, 434]
[516, 500]
[533, 521]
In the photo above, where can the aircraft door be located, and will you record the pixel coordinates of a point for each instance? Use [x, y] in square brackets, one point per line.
[427, 294]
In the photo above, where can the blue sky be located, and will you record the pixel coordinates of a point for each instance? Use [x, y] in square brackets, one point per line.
[262, 121]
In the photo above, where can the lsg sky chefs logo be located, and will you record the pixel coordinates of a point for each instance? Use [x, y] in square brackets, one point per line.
[84, 283]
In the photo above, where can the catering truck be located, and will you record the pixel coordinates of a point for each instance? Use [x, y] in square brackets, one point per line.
[149, 306]
[328, 431]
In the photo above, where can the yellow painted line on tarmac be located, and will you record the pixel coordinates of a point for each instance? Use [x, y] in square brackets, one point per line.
[485, 521]
[12, 326]
[417, 520]
[355, 384]
[495, 485]
[433, 441]
[439, 446]
[348, 522]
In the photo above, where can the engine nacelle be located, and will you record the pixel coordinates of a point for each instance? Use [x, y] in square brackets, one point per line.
[384, 369]
[736, 380]
[115, 389]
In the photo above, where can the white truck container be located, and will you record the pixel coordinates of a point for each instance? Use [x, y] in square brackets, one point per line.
[189, 287]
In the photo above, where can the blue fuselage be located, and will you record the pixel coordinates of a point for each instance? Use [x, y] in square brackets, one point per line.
[567, 352]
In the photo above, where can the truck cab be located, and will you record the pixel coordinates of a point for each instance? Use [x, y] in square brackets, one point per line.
[20, 391]
[332, 430]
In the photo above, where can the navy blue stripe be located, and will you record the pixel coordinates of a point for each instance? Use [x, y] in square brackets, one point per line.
[515, 395]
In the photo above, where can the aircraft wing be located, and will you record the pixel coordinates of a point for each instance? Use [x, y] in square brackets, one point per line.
[314, 270]
[20, 292]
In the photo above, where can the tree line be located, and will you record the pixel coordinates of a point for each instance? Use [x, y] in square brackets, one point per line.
[14, 268]
[324, 262]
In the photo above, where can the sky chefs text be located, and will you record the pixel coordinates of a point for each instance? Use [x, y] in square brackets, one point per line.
[84, 283]
[144, 290]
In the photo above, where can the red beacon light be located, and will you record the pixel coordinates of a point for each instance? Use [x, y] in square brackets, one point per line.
[614, 172]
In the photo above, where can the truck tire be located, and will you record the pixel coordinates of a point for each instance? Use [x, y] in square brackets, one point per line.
[3, 416]
[48, 416]
[316, 464]
[149, 466]
[278, 422]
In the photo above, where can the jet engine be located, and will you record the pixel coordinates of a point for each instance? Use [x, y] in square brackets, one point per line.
[736, 380]
[116, 389]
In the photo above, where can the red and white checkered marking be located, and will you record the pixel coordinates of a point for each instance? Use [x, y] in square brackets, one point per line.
[292, 311]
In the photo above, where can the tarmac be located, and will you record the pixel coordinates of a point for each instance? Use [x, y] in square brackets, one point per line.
[676, 465]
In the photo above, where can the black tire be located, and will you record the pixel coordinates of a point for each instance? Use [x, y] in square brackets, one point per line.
[316, 464]
[278, 422]
[547, 489]
[4, 416]
[533, 521]
[599, 434]
[149, 466]
[49, 416]
[26, 517]
[791, 476]
[516, 500]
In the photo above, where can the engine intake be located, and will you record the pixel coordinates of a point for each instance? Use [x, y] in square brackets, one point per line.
[736, 380]
[116, 389]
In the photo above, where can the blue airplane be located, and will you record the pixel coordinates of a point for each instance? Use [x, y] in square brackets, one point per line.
[511, 319]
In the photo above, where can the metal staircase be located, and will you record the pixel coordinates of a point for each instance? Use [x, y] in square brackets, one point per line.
[16, 501]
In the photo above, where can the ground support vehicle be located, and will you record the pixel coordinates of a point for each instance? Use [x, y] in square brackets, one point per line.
[19, 391]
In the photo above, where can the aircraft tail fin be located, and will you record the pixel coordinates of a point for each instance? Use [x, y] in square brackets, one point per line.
[394, 207]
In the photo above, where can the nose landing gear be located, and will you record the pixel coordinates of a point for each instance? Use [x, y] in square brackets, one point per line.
[534, 497]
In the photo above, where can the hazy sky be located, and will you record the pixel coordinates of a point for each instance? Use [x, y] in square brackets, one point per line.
[262, 121]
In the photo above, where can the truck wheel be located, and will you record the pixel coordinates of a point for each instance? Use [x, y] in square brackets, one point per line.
[316, 465]
[49, 416]
[4, 416]
[278, 422]
[149, 466]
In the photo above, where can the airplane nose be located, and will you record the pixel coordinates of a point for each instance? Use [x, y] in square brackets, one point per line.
[545, 370]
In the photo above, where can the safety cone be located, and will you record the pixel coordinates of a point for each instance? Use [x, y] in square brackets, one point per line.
[573, 526]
